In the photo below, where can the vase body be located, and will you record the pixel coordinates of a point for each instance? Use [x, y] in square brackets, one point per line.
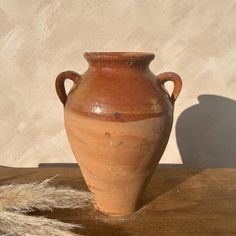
[118, 118]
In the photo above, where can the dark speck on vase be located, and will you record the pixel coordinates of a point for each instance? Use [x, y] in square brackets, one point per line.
[117, 115]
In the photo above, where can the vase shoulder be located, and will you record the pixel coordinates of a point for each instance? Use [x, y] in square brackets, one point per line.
[119, 93]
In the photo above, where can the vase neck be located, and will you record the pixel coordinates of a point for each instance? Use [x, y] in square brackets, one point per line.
[132, 60]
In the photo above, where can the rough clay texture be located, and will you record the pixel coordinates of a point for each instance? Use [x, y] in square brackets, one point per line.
[117, 159]
[39, 39]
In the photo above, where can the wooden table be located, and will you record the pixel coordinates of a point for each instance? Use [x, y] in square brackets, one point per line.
[177, 201]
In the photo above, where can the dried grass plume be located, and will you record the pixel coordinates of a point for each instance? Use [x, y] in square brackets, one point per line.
[16, 224]
[41, 196]
[18, 199]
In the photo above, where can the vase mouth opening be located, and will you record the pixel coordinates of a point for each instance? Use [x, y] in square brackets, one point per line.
[141, 57]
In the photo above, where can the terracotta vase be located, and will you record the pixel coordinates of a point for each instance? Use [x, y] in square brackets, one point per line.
[118, 118]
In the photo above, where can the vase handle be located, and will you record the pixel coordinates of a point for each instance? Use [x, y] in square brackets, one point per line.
[175, 78]
[59, 84]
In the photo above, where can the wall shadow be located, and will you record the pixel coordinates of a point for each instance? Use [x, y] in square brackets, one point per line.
[63, 165]
[206, 133]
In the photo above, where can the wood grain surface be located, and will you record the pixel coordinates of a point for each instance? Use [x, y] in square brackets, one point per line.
[177, 201]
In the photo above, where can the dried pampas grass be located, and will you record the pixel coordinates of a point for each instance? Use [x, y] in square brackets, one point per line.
[41, 196]
[16, 224]
[18, 199]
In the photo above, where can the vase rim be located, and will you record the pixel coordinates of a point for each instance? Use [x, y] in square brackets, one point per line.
[118, 56]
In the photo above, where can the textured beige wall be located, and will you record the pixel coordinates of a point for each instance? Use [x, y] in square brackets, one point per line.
[39, 39]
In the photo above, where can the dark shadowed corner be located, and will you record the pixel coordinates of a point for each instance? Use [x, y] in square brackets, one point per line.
[206, 133]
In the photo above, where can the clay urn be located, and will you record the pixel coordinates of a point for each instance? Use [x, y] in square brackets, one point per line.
[118, 118]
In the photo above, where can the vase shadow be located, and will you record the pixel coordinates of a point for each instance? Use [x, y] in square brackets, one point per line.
[88, 217]
[165, 178]
[206, 133]
[206, 138]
